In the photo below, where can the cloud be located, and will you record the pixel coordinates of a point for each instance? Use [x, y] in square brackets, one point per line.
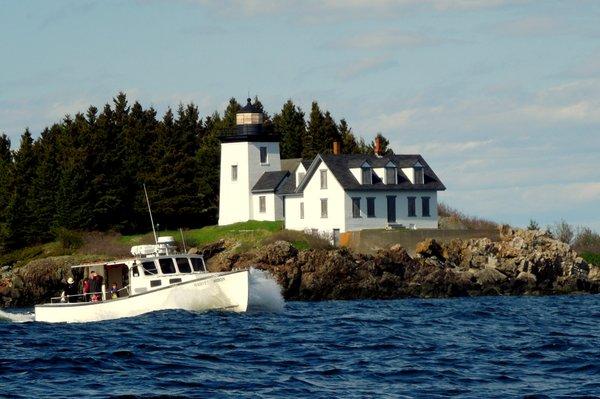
[391, 38]
[531, 26]
[366, 65]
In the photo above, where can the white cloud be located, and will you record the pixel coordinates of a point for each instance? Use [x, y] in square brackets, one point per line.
[366, 65]
[532, 25]
[385, 39]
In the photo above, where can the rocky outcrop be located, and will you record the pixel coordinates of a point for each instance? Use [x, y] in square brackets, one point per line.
[520, 262]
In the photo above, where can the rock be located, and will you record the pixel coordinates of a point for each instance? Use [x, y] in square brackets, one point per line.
[594, 274]
[429, 248]
[276, 253]
[527, 277]
[489, 276]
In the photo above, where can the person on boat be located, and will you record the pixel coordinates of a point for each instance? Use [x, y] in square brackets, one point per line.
[114, 292]
[94, 286]
[85, 289]
[71, 290]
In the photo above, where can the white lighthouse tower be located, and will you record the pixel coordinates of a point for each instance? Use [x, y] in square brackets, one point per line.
[246, 155]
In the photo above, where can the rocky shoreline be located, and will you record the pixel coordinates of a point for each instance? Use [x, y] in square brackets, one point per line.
[521, 262]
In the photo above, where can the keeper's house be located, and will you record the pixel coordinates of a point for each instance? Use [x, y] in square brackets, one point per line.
[330, 193]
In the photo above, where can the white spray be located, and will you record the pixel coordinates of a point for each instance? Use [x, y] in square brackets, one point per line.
[17, 317]
[265, 293]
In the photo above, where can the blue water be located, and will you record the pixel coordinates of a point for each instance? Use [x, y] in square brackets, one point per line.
[472, 347]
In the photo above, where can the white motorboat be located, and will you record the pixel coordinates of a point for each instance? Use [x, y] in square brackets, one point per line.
[156, 278]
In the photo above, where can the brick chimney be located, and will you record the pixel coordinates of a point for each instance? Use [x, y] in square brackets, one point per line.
[337, 148]
[377, 148]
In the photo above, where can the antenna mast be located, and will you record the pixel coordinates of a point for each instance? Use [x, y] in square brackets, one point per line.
[150, 212]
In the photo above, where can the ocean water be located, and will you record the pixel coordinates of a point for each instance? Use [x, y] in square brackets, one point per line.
[468, 347]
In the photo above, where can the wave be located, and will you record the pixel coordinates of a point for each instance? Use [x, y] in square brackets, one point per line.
[265, 292]
[17, 317]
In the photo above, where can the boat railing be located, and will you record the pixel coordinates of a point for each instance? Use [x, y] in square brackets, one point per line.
[88, 296]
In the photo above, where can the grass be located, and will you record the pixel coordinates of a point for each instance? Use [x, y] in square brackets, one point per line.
[591, 258]
[248, 234]
[27, 254]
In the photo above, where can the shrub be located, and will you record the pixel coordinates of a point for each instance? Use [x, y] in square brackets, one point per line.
[69, 240]
[533, 225]
[586, 241]
[563, 231]
[465, 221]
[593, 259]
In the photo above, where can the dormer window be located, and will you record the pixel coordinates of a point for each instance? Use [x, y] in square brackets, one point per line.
[391, 175]
[367, 175]
[419, 175]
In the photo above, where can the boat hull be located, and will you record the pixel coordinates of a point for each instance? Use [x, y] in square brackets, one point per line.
[225, 291]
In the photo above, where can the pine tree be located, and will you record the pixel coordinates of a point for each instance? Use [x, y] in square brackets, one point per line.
[20, 218]
[291, 128]
[349, 143]
[314, 132]
[6, 165]
[330, 134]
[385, 143]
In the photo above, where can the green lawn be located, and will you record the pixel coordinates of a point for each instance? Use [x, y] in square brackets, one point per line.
[247, 233]
[594, 259]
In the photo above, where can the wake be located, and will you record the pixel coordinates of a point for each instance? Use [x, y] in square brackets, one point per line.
[265, 293]
[16, 317]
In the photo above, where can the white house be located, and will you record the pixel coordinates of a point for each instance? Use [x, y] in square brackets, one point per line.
[330, 193]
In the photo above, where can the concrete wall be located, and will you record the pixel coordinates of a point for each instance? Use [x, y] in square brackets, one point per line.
[369, 241]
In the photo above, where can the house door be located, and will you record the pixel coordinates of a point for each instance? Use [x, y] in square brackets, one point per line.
[391, 209]
[336, 237]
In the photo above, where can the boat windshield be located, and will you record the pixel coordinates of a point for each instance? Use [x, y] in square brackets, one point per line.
[197, 264]
[149, 268]
[183, 265]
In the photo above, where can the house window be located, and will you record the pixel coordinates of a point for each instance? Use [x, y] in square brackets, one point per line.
[302, 210]
[390, 175]
[262, 204]
[324, 208]
[367, 175]
[356, 208]
[233, 172]
[323, 179]
[419, 175]
[370, 207]
[425, 206]
[412, 207]
[263, 155]
[301, 176]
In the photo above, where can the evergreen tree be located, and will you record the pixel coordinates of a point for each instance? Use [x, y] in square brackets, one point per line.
[291, 128]
[349, 143]
[385, 143]
[19, 213]
[330, 134]
[6, 166]
[314, 132]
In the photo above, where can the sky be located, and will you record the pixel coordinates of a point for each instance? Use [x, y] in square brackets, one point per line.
[501, 97]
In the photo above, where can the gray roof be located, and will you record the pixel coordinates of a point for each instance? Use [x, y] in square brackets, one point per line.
[340, 166]
[270, 181]
[290, 164]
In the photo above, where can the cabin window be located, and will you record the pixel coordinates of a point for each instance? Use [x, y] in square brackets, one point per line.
[149, 268]
[324, 208]
[419, 175]
[262, 204]
[367, 175]
[302, 210]
[323, 179]
[425, 206]
[412, 207]
[390, 175]
[356, 208]
[370, 207]
[166, 266]
[155, 283]
[174, 280]
[197, 264]
[263, 155]
[183, 265]
[233, 172]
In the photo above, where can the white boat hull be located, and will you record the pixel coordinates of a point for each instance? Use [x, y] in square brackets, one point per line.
[226, 291]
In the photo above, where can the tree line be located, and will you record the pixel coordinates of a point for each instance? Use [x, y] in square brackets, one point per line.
[87, 172]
